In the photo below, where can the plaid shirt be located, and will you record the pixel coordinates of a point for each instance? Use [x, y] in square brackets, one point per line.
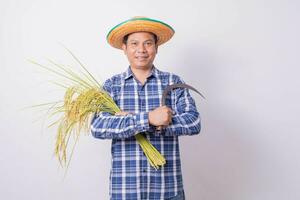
[131, 175]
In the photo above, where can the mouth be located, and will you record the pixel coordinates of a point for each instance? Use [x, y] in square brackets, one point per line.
[141, 57]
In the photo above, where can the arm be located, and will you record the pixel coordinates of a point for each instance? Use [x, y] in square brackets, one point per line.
[186, 120]
[107, 126]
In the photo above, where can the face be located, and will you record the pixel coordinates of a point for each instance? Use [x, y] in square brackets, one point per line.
[140, 50]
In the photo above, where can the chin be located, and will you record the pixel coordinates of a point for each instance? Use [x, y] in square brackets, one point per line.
[143, 66]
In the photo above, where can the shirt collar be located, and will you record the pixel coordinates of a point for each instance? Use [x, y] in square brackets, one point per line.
[128, 73]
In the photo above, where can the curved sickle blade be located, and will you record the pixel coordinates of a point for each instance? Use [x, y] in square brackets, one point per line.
[178, 85]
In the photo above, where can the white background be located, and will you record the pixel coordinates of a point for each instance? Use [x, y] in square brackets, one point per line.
[243, 55]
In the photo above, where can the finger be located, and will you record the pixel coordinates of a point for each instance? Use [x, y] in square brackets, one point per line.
[167, 122]
[165, 107]
[159, 128]
[170, 121]
[170, 114]
[121, 113]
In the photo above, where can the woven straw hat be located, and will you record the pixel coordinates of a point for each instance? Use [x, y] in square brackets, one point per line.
[163, 31]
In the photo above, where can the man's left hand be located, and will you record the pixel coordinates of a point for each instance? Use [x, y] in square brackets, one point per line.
[122, 113]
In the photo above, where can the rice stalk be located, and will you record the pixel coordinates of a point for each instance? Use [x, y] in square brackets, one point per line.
[82, 99]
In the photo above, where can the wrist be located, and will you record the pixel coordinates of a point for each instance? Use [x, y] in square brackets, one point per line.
[150, 117]
[142, 121]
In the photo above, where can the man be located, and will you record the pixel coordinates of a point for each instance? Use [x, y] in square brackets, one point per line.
[138, 92]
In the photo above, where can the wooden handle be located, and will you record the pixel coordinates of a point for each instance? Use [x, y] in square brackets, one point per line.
[159, 128]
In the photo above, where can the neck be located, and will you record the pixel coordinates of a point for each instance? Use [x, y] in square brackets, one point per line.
[141, 74]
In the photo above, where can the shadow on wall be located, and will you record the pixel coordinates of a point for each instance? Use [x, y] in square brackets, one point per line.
[217, 163]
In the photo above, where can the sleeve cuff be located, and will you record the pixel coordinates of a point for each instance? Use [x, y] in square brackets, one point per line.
[142, 122]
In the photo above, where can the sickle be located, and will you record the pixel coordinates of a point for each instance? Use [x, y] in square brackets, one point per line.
[171, 87]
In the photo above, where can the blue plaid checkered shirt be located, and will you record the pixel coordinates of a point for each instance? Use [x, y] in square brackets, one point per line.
[131, 176]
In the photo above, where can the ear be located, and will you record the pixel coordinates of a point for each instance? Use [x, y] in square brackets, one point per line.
[124, 47]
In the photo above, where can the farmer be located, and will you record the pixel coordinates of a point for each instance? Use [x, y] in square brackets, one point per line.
[138, 91]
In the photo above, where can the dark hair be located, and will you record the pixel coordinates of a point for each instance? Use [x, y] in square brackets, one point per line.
[125, 38]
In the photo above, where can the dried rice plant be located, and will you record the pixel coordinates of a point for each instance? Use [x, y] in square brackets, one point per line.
[84, 96]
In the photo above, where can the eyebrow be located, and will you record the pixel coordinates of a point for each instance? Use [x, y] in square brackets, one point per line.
[152, 40]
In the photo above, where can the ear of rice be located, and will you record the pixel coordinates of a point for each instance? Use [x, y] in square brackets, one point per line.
[82, 99]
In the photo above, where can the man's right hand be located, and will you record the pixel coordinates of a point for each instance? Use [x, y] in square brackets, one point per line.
[161, 116]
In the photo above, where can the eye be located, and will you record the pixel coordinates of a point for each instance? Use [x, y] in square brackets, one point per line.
[149, 43]
[133, 43]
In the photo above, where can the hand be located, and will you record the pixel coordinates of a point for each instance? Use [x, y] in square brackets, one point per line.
[161, 116]
[122, 113]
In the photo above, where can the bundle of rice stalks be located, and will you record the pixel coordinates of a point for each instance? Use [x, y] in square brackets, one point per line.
[84, 96]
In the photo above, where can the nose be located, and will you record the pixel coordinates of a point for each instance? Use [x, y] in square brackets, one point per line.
[141, 48]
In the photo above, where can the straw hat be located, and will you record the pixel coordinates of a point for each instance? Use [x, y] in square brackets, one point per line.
[163, 31]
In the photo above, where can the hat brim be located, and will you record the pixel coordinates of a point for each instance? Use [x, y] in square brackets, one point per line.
[163, 31]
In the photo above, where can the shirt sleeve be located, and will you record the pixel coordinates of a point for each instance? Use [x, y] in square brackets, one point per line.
[186, 120]
[107, 126]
